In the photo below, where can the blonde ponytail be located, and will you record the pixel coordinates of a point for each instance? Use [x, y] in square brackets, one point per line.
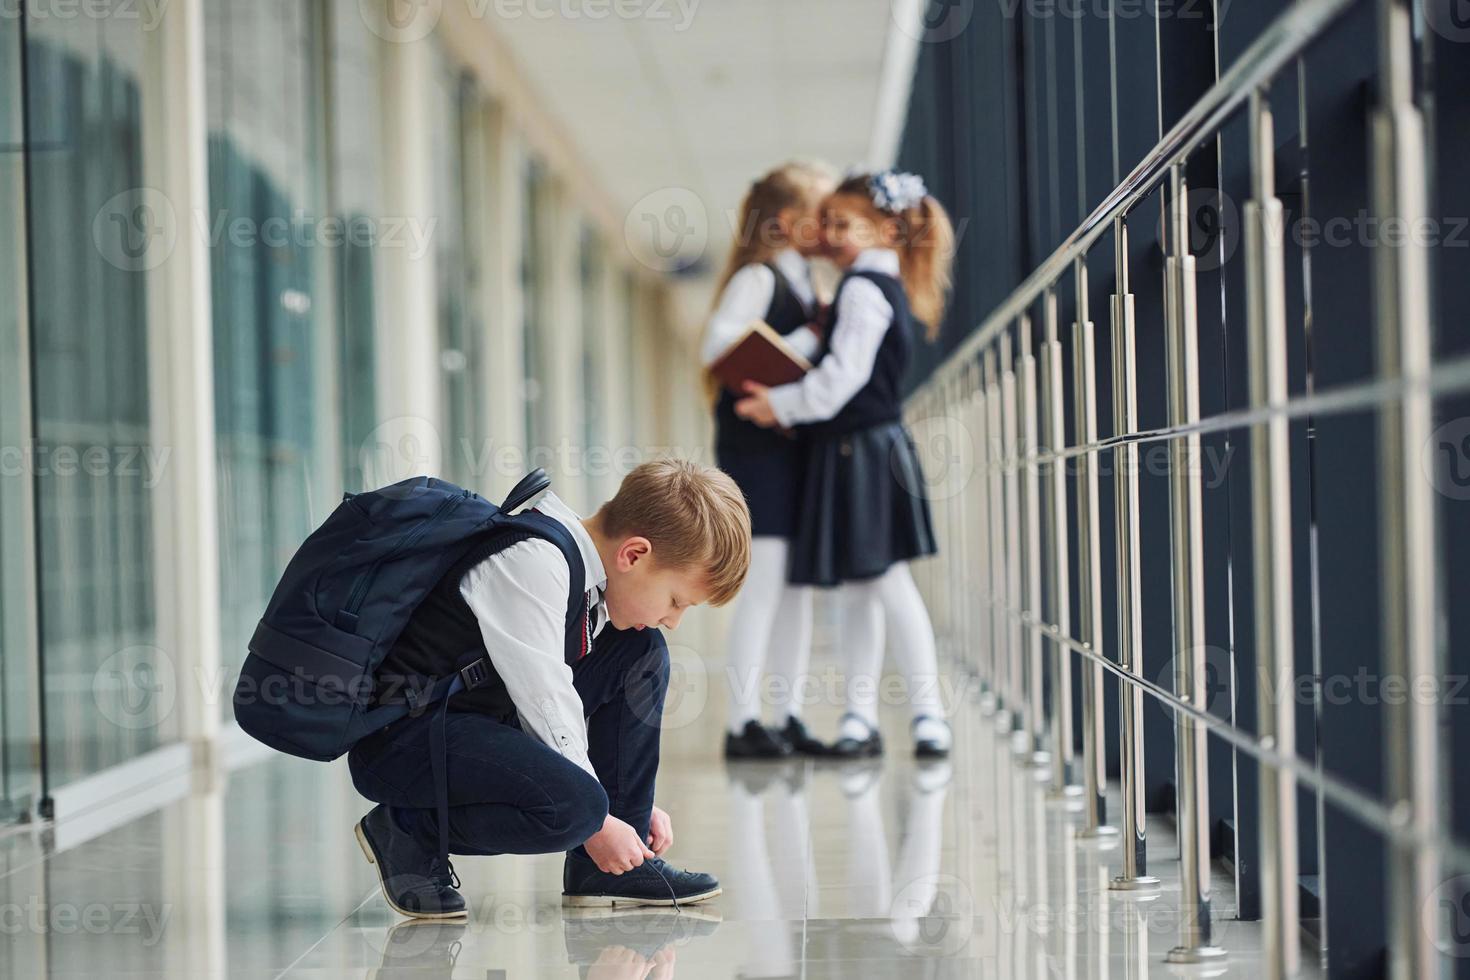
[926, 262]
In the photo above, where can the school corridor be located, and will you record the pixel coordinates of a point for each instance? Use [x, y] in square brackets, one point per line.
[1193, 435]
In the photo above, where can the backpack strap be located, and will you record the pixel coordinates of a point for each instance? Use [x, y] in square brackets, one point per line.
[520, 527]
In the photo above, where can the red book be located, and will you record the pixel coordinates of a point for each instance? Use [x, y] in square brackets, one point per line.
[761, 355]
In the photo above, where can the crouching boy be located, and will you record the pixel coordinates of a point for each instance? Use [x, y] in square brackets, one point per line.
[557, 750]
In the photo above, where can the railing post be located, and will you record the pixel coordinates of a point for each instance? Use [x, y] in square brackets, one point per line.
[1130, 610]
[1015, 716]
[999, 577]
[1271, 546]
[984, 630]
[1187, 533]
[1059, 584]
[1031, 659]
[1411, 641]
[1089, 569]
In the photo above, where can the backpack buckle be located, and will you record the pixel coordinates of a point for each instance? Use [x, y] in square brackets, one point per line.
[475, 673]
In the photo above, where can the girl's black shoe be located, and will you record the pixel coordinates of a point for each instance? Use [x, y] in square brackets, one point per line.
[756, 741]
[801, 741]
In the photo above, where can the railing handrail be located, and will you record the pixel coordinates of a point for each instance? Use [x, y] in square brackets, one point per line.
[1285, 38]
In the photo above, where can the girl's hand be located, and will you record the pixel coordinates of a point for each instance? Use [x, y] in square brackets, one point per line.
[756, 405]
[660, 832]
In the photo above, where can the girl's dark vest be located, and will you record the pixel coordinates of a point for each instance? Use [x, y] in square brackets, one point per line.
[733, 433]
[880, 399]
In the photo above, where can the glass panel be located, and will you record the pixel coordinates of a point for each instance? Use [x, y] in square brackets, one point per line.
[596, 452]
[268, 290]
[96, 229]
[455, 104]
[354, 74]
[19, 779]
[533, 273]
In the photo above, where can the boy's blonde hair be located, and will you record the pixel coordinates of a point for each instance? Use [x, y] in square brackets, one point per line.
[694, 516]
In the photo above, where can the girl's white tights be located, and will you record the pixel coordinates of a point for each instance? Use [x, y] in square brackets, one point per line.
[863, 609]
[770, 631]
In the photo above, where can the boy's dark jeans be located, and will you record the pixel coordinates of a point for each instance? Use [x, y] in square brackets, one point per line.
[511, 794]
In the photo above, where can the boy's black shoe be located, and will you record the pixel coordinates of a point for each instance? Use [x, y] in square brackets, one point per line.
[850, 747]
[405, 870]
[800, 740]
[654, 882]
[590, 932]
[756, 741]
[415, 948]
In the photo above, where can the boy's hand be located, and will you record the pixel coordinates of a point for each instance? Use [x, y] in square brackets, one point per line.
[616, 847]
[660, 832]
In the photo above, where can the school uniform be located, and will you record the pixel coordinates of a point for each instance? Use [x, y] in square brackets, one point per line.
[564, 731]
[862, 506]
[764, 463]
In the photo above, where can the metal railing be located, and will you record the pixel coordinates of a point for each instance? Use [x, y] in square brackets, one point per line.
[995, 526]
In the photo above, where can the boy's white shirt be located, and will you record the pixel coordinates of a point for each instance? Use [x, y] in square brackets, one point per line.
[747, 297]
[862, 317]
[519, 597]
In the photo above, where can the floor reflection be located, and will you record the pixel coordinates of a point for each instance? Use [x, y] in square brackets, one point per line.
[877, 869]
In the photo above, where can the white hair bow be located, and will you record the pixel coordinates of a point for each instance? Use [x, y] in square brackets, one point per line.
[896, 192]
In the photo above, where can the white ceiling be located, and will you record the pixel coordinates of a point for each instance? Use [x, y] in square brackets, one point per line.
[690, 108]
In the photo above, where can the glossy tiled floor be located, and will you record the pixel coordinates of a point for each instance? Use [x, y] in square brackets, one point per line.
[883, 870]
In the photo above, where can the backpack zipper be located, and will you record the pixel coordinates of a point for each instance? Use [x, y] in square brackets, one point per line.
[360, 589]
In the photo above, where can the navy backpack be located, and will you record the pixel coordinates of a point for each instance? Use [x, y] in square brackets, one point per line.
[307, 686]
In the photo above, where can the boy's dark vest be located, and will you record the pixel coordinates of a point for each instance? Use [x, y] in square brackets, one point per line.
[443, 632]
[880, 399]
[785, 314]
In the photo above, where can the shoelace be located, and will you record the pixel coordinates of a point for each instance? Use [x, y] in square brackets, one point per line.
[451, 879]
[658, 869]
